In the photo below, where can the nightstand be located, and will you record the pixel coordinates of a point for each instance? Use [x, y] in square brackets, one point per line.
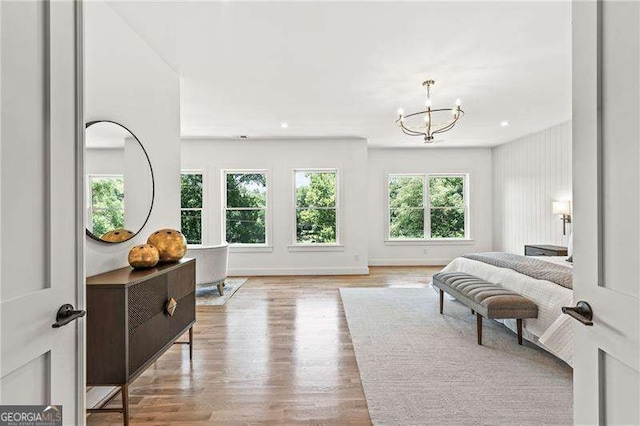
[545, 250]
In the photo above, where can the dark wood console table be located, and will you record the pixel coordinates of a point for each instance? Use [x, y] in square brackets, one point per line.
[129, 325]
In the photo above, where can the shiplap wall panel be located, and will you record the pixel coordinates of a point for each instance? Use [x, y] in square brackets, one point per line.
[528, 174]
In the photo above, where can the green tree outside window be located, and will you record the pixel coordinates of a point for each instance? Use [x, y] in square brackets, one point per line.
[191, 207]
[446, 195]
[408, 206]
[246, 208]
[107, 204]
[316, 207]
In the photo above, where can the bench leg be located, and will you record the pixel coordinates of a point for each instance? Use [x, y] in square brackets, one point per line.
[479, 326]
[519, 322]
[441, 300]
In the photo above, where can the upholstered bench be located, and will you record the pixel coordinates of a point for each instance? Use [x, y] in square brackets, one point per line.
[485, 299]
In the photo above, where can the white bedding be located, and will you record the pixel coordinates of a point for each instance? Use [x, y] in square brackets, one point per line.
[551, 330]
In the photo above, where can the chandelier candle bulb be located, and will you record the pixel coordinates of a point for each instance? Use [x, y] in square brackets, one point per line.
[458, 102]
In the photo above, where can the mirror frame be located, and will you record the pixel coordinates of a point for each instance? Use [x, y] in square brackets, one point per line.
[153, 181]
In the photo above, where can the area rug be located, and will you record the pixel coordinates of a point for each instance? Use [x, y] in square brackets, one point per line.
[421, 368]
[208, 295]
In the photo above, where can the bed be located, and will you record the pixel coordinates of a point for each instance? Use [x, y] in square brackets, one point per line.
[551, 330]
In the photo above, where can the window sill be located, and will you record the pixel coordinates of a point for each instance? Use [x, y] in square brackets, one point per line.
[250, 248]
[316, 247]
[433, 242]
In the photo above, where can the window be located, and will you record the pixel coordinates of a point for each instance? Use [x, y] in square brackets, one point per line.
[406, 207]
[191, 206]
[428, 207]
[447, 206]
[106, 209]
[316, 206]
[245, 207]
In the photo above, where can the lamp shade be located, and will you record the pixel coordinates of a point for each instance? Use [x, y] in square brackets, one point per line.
[562, 207]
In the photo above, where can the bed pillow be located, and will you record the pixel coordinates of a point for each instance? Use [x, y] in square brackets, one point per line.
[570, 248]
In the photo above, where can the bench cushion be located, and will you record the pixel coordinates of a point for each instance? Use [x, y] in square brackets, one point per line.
[488, 299]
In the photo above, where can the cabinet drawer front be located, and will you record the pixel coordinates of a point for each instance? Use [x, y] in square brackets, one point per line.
[182, 281]
[146, 300]
[184, 315]
[146, 340]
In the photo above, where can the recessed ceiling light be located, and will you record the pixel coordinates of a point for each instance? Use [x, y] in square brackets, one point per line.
[504, 123]
[284, 125]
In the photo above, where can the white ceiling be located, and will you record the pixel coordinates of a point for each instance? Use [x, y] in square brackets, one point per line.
[343, 69]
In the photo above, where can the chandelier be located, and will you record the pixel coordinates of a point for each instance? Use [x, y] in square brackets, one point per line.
[431, 121]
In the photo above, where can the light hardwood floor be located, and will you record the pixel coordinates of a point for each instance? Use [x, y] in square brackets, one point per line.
[278, 352]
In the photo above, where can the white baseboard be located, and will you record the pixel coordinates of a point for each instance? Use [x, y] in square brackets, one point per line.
[261, 272]
[409, 262]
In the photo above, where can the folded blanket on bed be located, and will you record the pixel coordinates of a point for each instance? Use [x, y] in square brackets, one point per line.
[535, 268]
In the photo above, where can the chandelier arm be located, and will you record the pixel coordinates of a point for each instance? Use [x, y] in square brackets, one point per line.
[416, 113]
[445, 129]
[400, 124]
[410, 131]
[404, 117]
[449, 126]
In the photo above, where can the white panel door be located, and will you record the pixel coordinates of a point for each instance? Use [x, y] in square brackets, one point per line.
[40, 218]
[606, 185]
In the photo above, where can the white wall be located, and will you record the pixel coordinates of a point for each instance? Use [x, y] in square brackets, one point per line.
[382, 162]
[104, 161]
[127, 82]
[528, 174]
[280, 158]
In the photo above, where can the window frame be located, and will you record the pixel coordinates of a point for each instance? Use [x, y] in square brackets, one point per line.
[247, 247]
[89, 200]
[426, 202]
[337, 245]
[203, 220]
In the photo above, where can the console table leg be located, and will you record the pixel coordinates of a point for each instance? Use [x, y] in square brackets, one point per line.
[191, 344]
[125, 403]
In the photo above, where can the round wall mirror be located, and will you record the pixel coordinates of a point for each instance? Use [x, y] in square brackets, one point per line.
[119, 182]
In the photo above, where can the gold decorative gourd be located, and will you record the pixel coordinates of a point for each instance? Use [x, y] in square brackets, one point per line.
[117, 235]
[171, 244]
[143, 256]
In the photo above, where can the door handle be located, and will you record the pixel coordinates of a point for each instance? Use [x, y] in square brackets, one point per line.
[582, 312]
[66, 314]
